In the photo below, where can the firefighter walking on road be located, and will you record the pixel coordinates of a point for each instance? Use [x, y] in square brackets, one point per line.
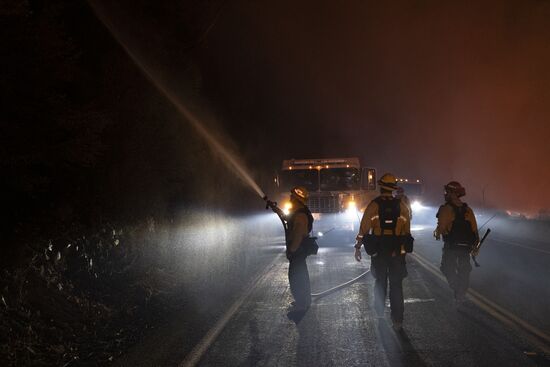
[456, 223]
[385, 233]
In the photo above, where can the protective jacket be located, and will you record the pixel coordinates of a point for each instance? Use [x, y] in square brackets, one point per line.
[299, 225]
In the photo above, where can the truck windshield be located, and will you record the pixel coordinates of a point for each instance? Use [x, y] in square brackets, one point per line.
[308, 178]
[340, 179]
[331, 179]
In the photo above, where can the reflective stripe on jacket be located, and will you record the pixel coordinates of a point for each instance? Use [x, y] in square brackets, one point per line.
[371, 221]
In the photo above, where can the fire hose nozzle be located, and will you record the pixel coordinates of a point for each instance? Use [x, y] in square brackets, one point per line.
[269, 204]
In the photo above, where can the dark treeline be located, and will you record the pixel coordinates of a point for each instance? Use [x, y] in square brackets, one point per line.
[85, 137]
[105, 185]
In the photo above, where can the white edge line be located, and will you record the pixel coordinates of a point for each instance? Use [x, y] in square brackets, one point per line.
[198, 351]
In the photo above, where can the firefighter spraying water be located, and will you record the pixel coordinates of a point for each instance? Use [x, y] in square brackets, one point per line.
[297, 224]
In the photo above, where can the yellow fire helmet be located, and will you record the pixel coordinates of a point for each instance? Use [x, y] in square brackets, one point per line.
[388, 182]
[300, 193]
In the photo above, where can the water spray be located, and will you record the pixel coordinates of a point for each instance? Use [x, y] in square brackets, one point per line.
[229, 159]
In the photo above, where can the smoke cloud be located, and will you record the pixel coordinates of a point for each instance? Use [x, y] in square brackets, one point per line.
[433, 90]
[436, 90]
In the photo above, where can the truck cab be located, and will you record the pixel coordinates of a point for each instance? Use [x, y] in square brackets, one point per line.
[339, 188]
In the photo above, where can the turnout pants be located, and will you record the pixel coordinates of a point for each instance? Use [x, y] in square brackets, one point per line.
[392, 268]
[455, 265]
[298, 277]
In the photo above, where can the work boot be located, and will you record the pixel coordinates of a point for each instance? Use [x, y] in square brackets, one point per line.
[379, 313]
[294, 307]
[296, 316]
[297, 312]
[397, 325]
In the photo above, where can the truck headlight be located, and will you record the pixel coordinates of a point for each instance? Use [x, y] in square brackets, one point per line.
[351, 208]
[286, 207]
[416, 205]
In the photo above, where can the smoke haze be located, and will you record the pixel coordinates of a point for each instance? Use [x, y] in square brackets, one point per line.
[436, 90]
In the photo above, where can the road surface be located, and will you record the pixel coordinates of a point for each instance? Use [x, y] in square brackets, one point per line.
[504, 322]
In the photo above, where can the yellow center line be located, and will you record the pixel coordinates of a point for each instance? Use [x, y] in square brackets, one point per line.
[534, 335]
[511, 243]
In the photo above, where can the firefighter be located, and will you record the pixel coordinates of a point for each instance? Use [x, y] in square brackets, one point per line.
[298, 224]
[456, 223]
[385, 233]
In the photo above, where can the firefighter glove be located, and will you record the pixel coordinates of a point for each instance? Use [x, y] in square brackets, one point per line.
[358, 254]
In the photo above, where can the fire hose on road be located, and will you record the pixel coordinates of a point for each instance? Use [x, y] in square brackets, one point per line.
[340, 286]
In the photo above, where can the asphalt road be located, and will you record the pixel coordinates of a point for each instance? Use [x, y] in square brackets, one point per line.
[514, 273]
[506, 315]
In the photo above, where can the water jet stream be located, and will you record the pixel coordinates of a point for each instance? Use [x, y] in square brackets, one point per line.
[229, 159]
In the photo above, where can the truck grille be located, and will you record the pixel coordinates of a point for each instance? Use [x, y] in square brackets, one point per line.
[323, 204]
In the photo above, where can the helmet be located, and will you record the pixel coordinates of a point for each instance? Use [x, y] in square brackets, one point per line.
[388, 182]
[455, 187]
[300, 193]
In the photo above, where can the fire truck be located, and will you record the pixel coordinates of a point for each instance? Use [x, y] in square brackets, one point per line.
[339, 188]
[414, 189]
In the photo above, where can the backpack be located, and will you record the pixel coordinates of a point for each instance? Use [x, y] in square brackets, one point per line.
[389, 211]
[461, 231]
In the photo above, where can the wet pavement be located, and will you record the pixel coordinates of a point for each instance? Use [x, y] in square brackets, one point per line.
[341, 329]
[513, 273]
[504, 318]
